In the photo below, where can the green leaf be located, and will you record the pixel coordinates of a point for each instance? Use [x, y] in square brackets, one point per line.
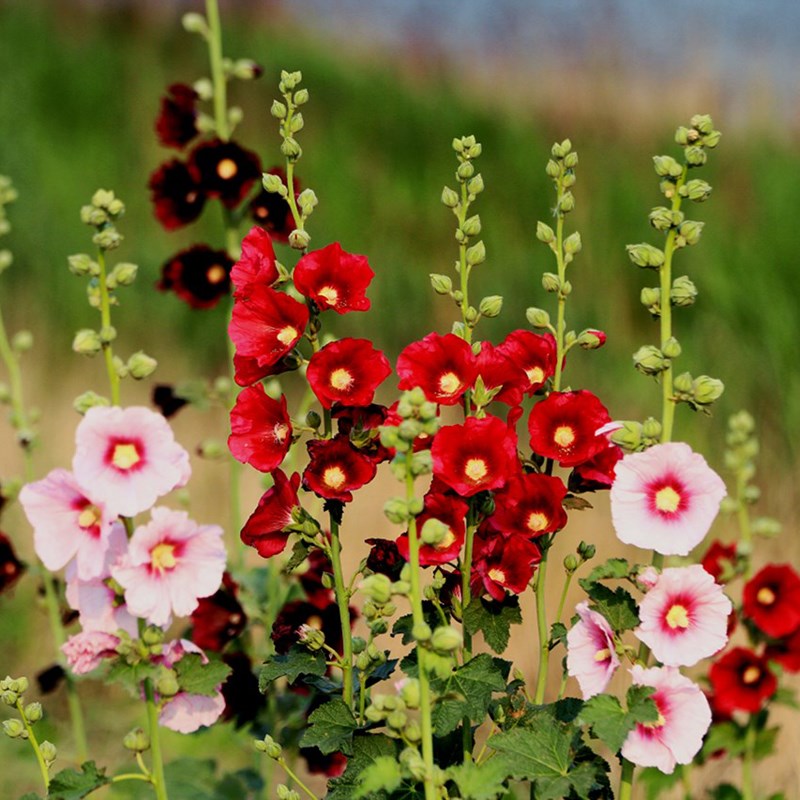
[331, 728]
[765, 743]
[641, 705]
[195, 677]
[727, 736]
[31, 796]
[657, 781]
[298, 661]
[300, 552]
[558, 632]
[617, 606]
[71, 785]
[366, 749]
[725, 791]
[493, 619]
[484, 782]
[130, 674]
[384, 773]
[613, 568]
[611, 723]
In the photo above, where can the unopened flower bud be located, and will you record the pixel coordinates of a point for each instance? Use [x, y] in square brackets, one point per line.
[33, 712]
[312, 638]
[651, 298]
[683, 384]
[537, 317]
[711, 140]
[573, 244]
[706, 390]
[410, 692]
[441, 284]
[695, 156]
[702, 123]
[560, 150]
[421, 631]
[629, 436]
[690, 231]
[465, 171]
[87, 342]
[167, 684]
[82, 265]
[766, 526]
[48, 751]
[299, 239]
[651, 428]
[476, 254]
[591, 339]
[291, 149]
[586, 551]
[434, 531]
[649, 360]
[571, 160]
[551, 282]
[396, 510]
[544, 233]
[307, 200]
[472, 226]
[136, 740]
[14, 728]
[570, 562]
[285, 793]
[491, 306]
[683, 292]
[645, 255]
[697, 190]
[475, 185]
[446, 639]
[377, 587]
[195, 23]
[566, 203]
[671, 348]
[246, 70]
[552, 169]
[449, 197]
[300, 97]
[140, 365]
[666, 166]
[268, 746]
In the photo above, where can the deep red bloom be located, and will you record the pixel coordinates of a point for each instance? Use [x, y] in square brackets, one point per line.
[719, 558]
[530, 505]
[257, 262]
[331, 765]
[264, 530]
[11, 568]
[167, 400]
[335, 279]
[286, 629]
[771, 598]
[499, 370]
[261, 431]
[177, 197]
[742, 681]
[535, 353]
[384, 558]
[272, 212]
[243, 700]
[361, 424]
[563, 425]
[501, 564]
[449, 510]
[443, 366]
[347, 371]
[224, 170]
[176, 123]
[218, 619]
[786, 652]
[336, 468]
[200, 276]
[481, 454]
[596, 473]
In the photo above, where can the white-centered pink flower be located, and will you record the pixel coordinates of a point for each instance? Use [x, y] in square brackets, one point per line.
[684, 717]
[665, 498]
[684, 617]
[67, 523]
[86, 650]
[171, 562]
[128, 457]
[591, 654]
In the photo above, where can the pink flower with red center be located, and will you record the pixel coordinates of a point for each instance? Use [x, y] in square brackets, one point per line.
[261, 431]
[86, 651]
[498, 370]
[265, 527]
[591, 653]
[684, 617]
[530, 505]
[534, 353]
[129, 457]
[335, 279]
[564, 426]
[501, 565]
[684, 716]
[742, 681]
[452, 513]
[665, 498]
[474, 457]
[771, 598]
[443, 366]
[170, 563]
[336, 468]
[719, 559]
[257, 262]
[67, 524]
[347, 371]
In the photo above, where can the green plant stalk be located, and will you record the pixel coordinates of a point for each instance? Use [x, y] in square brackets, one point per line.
[293, 776]
[157, 775]
[747, 761]
[561, 323]
[563, 598]
[105, 322]
[541, 625]
[626, 780]
[343, 602]
[464, 274]
[466, 592]
[35, 745]
[217, 73]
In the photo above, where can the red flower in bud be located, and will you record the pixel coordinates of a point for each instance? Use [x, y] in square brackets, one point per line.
[11, 568]
[311, 579]
[479, 455]
[444, 366]
[384, 558]
[334, 279]
[535, 353]
[261, 431]
[501, 564]
[594, 338]
[272, 212]
[224, 170]
[452, 512]
[741, 681]
[200, 276]
[563, 425]
[596, 473]
[348, 371]
[530, 505]
[499, 370]
[786, 652]
[336, 469]
[257, 262]
[264, 530]
[719, 558]
[177, 197]
[176, 123]
[771, 599]
[218, 619]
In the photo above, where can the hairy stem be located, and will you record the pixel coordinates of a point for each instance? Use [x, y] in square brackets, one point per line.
[343, 602]
[35, 745]
[157, 775]
[626, 781]
[541, 625]
[105, 323]
[217, 73]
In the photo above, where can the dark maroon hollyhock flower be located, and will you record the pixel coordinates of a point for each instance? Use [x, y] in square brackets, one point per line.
[286, 629]
[563, 425]
[503, 564]
[218, 619]
[786, 652]
[272, 212]
[264, 530]
[257, 263]
[335, 279]
[452, 512]
[310, 579]
[771, 598]
[49, 679]
[742, 681]
[477, 456]
[499, 371]
[535, 353]
[261, 431]
[176, 196]
[596, 473]
[176, 123]
[224, 170]
[347, 371]
[331, 765]
[200, 276]
[530, 505]
[719, 559]
[443, 366]
[11, 568]
[336, 468]
[384, 558]
[166, 401]
[243, 700]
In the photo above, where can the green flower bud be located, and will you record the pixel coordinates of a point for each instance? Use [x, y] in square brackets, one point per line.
[82, 265]
[140, 365]
[446, 639]
[397, 720]
[537, 317]
[689, 231]
[651, 428]
[421, 631]
[552, 169]
[551, 282]
[19, 685]
[697, 190]
[285, 793]
[651, 298]
[672, 348]
[586, 551]
[377, 587]
[702, 123]
[566, 203]
[434, 532]
[743, 422]
[561, 150]
[695, 156]
[573, 244]
[307, 200]
[108, 239]
[22, 341]
[421, 464]
[491, 306]
[476, 254]
[297, 123]
[33, 712]
[195, 23]
[711, 140]
[766, 526]
[136, 740]
[649, 360]
[683, 384]
[566, 289]
[666, 166]
[83, 402]
[571, 160]
[475, 185]
[645, 255]
[570, 562]
[300, 97]
[291, 149]
[299, 239]
[273, 184]
[312, 638]
[14, 728]
[683, 292]
[472, 226]
[396, 510]
[410, 693]
[124, 274]
[706, 390]
[167, 684]
[8, 697]
[87, 342]
[544, 233]
[590, 339]
[441, 284]
[465, 171]
[449, 197]
[48, 751]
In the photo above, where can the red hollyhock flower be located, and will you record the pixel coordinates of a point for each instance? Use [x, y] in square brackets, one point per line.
[786, 652]
[714, 561]
[200, 276]
[257, 262]
[176, 123]
[444, 366]
[499, 370]
[334, 279]
[11, 568]
[530, 505]
[771, 598]
[535, 353]
[479, 455]
[336, 469]
[384, 558]
[243, 700]
[741, 681]
[331, 765]
[272, 212]
[218, 619]
[224, 170]
[261, 431]
[264, 530]
[361, 425]
[452, 512]
[348, 371]
[177, 197]
[286, 629]
[501, 564]
[563, 425]
[596, 473]
[311, 579]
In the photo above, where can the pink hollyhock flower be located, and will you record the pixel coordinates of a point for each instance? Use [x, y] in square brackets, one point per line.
[684, 617]
[261, 431]
[665, 498]
[257, 262]
[264, 530]
[771, 598]
[335, 279]
[170, 563]
[336, 468]
[86, 650]
[591, 654]
[129, 457]
[535, 353]
[684, 716]
[67, 524]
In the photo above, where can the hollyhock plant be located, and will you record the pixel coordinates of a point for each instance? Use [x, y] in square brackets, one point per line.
[177, 197]
[742, 681]
[220, 618]
[129, 457]
[534, 353]
[257, 263]
[11, 568]
[336, 469]
[771, 598]
[200, 276]
[530, 505]
[591, 653]
[684, 616]
[261, 431]
[176, 124]
[503, 564]
[272, 212]
[265, 527]
[224, 170]
[86, 651]
[665, 498]
[451, 512]
[171, 562]
[499, 370]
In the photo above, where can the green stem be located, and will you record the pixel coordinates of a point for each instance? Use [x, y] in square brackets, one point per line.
[541, 624]
[626, 781]
[343, 601]
[747, 762]
[563, 599]
[131, 776]
[743, 518]
[35, 745]
[290, 198]
[105, 323]
[562, 300]
[464, 268]
[643, 655]
[466, 592]
[293, 776]
[217, 73]
[159, 782]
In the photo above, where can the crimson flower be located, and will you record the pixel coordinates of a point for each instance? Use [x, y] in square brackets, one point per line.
[336, 468]
[224, 170]
[11, 568]
[530, 505]
[501, 564]
[248, 371]
[200, 276]
[719, 559]
[499, 371]
[535, 353]
[264, 530]
[384, 558]
[452, 512]
[771, 598]
[786, 652]
[286, 629]
[176, 123]
[177, 197]
[335, 279]
[361, 424]
[218, 619]
[243, 700]
[741, 681]
[257, 262]
[272, 212]
[261, 431]
[331, 764]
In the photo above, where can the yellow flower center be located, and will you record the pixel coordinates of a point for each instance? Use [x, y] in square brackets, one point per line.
[330, 294]
[447, 540]
[667, 500]
[766, 596]
[751, 675]
[280, 432]
[476, 469]
[602, 655]
[537, 521]
[125, 456]
[88, 517]
[162, 557]
[215, 274]
[341, 379]
[449, 383]
[659, 723]
[497, 575]
[535, 374]
[334, 477]
[564, 435]
[227, 168]
[287, 335]
[678, 617]
[315, 622]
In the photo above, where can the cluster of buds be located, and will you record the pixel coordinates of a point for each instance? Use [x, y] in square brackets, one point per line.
[379, 589]
[8, 194]
[391, 711]
[101, 213]
[633, 437]
[419, 418]
[699, 393]
[583, 552]
[12, 693]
